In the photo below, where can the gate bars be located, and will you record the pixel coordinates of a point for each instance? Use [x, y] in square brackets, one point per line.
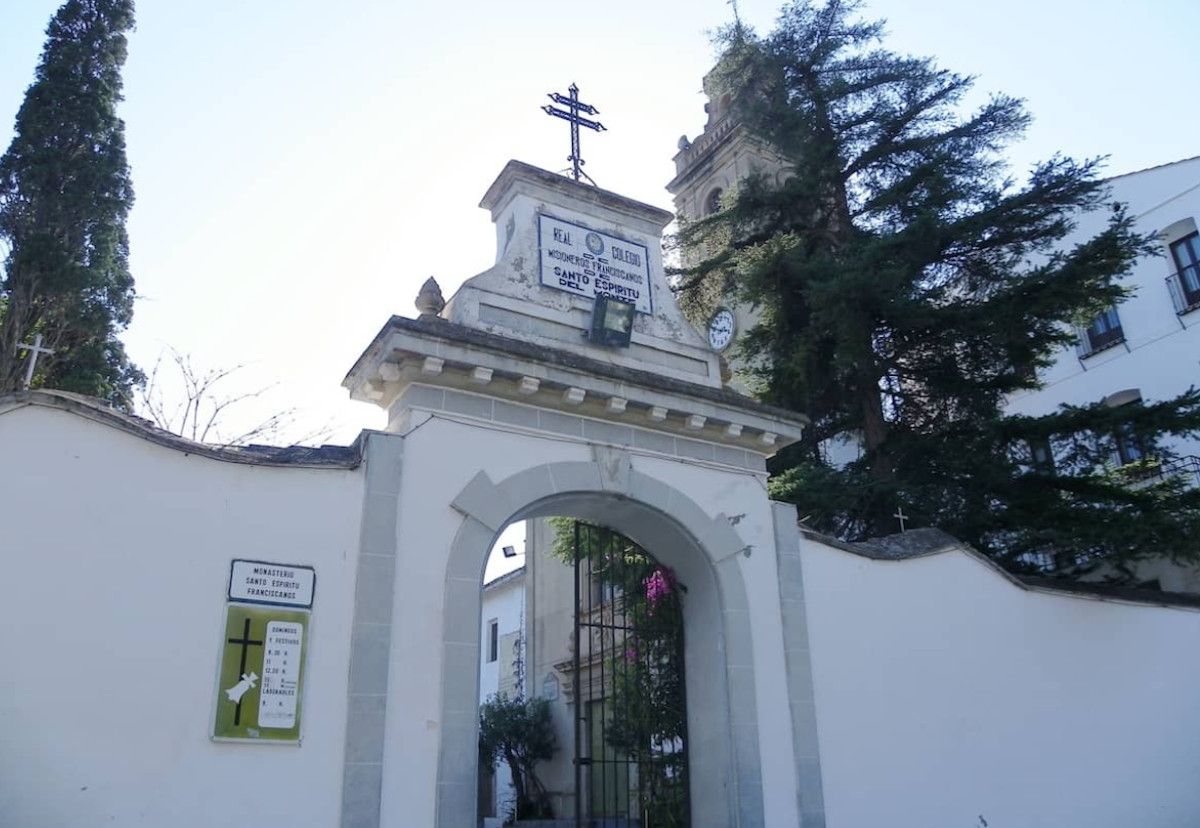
[631, 767]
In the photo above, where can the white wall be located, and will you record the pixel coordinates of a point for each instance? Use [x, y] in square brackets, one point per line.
[944, 692]
[115, 556]
[742, 497]
[430, 484]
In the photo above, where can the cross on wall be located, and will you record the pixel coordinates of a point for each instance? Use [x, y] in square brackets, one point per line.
[246, 643]
[35, 350]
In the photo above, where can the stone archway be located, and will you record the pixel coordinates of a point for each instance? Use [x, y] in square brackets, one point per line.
[722, 720]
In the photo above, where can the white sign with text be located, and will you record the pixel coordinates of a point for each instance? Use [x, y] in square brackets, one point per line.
[284, 585]
[589, 263]
[281, 675]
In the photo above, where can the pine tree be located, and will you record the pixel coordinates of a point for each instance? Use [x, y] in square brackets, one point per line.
[65, 192]
[906, 284]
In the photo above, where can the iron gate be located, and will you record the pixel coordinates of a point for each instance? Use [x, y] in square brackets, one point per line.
[631, 767]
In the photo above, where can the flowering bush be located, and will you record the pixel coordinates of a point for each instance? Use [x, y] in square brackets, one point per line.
[645, 716]
[659, 584]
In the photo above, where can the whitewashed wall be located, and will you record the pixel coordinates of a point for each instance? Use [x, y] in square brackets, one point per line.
[115, 555]
[430, 484]
[944, 692]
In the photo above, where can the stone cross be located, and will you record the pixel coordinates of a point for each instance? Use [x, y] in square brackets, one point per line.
[572, 116]
[900, 516]
[35, 350]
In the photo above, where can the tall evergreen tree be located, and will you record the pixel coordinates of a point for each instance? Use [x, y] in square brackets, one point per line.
[906, 285]
[65, 192]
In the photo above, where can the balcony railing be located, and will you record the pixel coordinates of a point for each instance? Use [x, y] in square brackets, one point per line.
[1151, 470]
[1185, 289]
[1090, 341]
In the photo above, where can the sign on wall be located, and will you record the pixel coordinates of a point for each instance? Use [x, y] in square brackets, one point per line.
[261, 674]
[261, 582]
[260, 680]
[589, 263]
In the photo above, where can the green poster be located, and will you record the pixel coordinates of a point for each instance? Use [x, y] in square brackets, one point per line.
[262, 669]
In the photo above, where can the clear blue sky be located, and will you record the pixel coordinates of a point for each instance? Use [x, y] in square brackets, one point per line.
[302, 167]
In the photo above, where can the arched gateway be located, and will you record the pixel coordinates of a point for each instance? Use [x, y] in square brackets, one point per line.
[516, 399]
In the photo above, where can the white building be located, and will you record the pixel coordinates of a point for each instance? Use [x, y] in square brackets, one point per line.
[905, 682]
[501, 635]
[1148, 347]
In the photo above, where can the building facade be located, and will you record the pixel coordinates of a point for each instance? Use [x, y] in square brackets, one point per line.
[905, 682]
[1147, 348]
[501, 671]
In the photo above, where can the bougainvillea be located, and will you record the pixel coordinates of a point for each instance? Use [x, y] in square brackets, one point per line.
[659, 584]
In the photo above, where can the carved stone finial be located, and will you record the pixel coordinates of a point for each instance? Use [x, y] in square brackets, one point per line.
[430, 301]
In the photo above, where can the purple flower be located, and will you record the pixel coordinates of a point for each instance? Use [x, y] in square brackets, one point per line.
[659, 585]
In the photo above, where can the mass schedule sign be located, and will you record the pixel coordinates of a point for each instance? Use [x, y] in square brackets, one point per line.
[589, 263]
[261, 675]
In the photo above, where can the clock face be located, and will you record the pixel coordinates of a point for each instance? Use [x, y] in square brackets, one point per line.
[720, 329]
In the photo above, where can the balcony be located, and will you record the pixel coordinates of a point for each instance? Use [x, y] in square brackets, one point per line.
[1148, 470]
[1185, 289]
[1103, 333]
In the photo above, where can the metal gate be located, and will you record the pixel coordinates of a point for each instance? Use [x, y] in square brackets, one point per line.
[631, 767]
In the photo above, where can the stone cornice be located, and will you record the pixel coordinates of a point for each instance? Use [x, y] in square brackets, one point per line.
[433, 352]
[517, 170]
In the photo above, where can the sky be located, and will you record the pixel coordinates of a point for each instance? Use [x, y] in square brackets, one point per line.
[302, 167]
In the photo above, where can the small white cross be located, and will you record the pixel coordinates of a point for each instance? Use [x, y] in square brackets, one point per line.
[35, 350]
[900, 516]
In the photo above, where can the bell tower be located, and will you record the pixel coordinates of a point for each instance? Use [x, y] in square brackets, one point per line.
[706, 171]
[710, 167]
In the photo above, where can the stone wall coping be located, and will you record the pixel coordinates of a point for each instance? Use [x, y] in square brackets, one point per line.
[96, 410]
[923, 543]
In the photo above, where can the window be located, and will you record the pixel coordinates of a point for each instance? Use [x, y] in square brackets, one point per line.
[1185, 283]
[1128, 446]
[1041, 456]
[712, 204]
[1103, 332]
[493, 640]
[604, 591]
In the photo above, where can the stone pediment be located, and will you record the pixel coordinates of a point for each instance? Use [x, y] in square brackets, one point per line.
[558, 242]
[511, 347]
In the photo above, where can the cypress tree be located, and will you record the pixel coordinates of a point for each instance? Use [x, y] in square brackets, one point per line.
[905, 283]
[65, 192]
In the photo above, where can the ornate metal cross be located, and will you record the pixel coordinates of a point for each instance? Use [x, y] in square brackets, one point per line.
[35, 350]
[571, 115]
